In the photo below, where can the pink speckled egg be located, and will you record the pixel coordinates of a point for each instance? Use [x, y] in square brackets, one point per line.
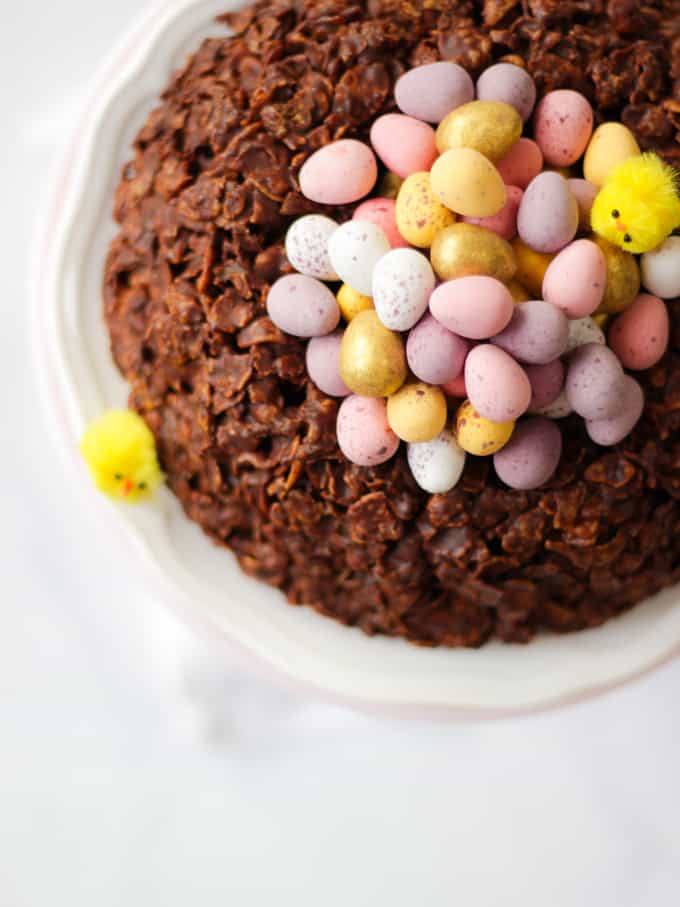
[323, 364]
[531, 456]
[339, 173]
[639, 336]
[364, 435]
[302, 306]
[576, 278]
[382, 213]
[546, 382]
[435, 355]
[510, 84]
[584, 193]
[431, 91]
[497, 386]
[404, 145]
[537, 333]
[521, 164]
[608, 432]
[505, 222]
[563, 124]
[595, 387]
[307, 246]
[548, 215]
[474, 307]
[456, 387]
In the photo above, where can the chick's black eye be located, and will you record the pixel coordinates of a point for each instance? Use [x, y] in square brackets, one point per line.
[616, 214]
[118, 477]
[627, 237]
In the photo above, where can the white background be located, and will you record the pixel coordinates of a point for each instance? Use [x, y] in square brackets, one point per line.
[141, 765]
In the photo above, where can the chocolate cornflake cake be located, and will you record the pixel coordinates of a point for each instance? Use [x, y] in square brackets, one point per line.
[248, 443]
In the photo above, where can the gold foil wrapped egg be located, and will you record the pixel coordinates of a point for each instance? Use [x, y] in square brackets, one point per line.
[372, 358]
[601, 321]
[464, 249]
[518, 292]
[389, 185]
[531, 267]
[623, 278]
[417, 412]
[490, 127]
[479, 436]
[352, 302]
[466, 182]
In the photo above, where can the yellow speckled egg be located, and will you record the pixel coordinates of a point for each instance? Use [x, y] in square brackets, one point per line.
[490, 127]
[479, 436]
[465, 249]
[351, 302]
[610, 144]
[372, 358]
[623, 278]
[417, 412]
[389, 185]
[518, 292]
[468, 183]
[420, 215]
[531, 267]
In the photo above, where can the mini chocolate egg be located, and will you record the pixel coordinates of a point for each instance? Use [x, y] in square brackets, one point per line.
[497, 385]
[431, 91]
[434, 354]
[639, 336]
[455, 387]
[575, 279]
[531, 456]
[417, 412]
[517, 291]
[563, 124]
[307, 246]
[437, 465]
[548, 215]
[610, 145]
[505, 222]
[419, 214]
[594, 385]
[479, 436]
[475, 307]
[351, 302]
[372, 358]
[608, 432]
[584, 193]
[354, 250]
[339, 173]
[489, 127]
[521, 164]
[404, 145]
[323, 364]
[582, 331]
[531, 266]
[546, 383]
[364, 435]
[623, 278]
[510, 84]
[560, 408]
[382, 213]
[661, 269]
[402, 283]
[537, 333]
[468, 183]
[302, 306]
[462, 250]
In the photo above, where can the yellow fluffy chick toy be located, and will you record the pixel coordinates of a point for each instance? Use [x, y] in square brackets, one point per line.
[120, 453]
[638, 206]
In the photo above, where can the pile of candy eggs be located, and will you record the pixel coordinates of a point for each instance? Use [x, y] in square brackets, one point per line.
[478, 280]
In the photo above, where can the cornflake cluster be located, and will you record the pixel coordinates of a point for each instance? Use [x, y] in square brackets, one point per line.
[482, 281]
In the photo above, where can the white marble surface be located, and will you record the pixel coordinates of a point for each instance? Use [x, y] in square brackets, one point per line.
[139, 766]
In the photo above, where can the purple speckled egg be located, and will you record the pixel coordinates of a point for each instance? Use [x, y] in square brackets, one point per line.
[302, 306]
[531, 456]
[403, 281]
[431, 91]
[537, 334]
[323, 364]
[497, 386]
[435, 355]
[307, 246]
[610, 431]
[548, 215]
[563, 124]
[364, 434]
[546, 382]
[510, 84]
[595, 385]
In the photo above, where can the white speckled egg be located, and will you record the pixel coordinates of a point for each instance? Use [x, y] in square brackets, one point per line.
[661, 269]
[354, 250]
[403, 280]
[560, 408]
[437, 465]
[307, 246]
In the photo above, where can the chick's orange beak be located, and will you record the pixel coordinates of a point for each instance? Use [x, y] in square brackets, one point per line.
[127, 487]
[622, 228]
